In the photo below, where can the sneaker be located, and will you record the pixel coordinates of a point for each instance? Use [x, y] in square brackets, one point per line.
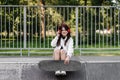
[57, 72]
[63, 72]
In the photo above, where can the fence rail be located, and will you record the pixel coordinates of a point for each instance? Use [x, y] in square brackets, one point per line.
[33, 27]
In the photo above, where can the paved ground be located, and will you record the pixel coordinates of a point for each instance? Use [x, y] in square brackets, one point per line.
[82, 59]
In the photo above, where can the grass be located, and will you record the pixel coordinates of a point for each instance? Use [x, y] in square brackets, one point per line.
[37, 43]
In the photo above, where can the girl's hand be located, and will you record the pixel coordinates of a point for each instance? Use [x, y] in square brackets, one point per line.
[58, 33]
[67, 60]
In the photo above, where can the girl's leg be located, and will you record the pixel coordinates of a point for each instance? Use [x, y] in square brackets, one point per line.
[62, 54]
[56, 54]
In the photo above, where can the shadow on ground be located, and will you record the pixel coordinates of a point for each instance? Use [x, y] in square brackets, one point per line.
[34, 73]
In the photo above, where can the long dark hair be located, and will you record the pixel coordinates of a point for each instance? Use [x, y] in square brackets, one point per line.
[60, 29]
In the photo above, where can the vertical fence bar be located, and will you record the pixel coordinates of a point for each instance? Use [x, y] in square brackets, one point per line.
[64, 13]
[44, 29]
[29, 27]
[80, 11]
[81, 27]
[13, 27]
[111, 26]
[103, 29]
[99, 27]
[40, 25]
[107, 24]
[17, 26]
[1, 26]
[91, 27]
[76, 10]
[67, 13]
[118, 27]
[48, 34]
[114, 27]
[32, 26]
[36, 32]
[87, 26]
[9, 27]
[95, 26]
[103, 26]
[20, 28]
[84, 26]
[59, 11]
[5, 27]
[24, 27]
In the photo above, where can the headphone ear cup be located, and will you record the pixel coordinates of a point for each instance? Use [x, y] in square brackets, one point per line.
[68, 30]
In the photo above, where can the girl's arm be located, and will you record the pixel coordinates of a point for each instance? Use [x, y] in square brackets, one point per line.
[70, 48]
[69, 52]
[54, 41]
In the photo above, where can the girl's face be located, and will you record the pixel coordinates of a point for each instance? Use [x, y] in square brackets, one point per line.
[64, 32]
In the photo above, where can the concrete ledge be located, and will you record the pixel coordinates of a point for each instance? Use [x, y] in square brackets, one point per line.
[93, 68]
[102, 68]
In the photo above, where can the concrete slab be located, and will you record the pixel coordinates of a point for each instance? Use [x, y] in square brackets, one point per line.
[92, 68]
[102, 71]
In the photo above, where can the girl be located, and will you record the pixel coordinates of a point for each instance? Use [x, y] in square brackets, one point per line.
[63, 44]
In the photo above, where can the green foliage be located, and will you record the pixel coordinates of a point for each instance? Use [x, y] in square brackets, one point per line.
[62, 2]
[96, 2]
[10, 2]
[18, 2]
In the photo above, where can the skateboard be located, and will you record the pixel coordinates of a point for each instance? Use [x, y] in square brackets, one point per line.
[54, 65]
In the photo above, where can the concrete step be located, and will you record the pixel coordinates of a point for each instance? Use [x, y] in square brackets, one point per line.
[92, 68]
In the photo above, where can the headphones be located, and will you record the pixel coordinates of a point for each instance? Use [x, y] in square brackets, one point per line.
[68, 30]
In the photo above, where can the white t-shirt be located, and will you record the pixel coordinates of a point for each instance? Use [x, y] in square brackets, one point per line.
[68, 47]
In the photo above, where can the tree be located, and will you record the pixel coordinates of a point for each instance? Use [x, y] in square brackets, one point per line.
[41, 4]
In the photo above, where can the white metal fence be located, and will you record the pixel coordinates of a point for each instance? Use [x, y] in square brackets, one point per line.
[33, 27]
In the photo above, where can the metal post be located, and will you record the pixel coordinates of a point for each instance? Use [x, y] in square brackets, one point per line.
[24, 27]
[28, 51]
[20, 51]
[76, 27]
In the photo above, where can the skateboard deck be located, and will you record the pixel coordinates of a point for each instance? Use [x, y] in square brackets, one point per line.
[52, 65]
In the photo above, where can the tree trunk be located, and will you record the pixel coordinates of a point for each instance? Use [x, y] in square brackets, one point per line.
[85, 2]
[42, 18]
